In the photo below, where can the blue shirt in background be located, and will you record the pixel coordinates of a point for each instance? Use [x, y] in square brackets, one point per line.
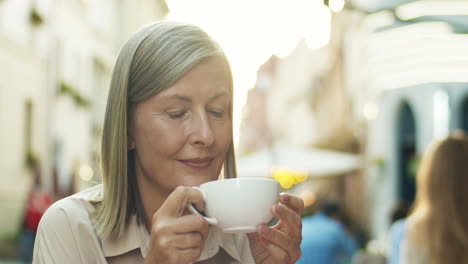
[325, 241]
[397, 234]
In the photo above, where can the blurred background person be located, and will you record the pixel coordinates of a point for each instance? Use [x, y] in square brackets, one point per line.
[325, 239]
[437, 230]
[400, 211]
[37, 203]
[397, 231]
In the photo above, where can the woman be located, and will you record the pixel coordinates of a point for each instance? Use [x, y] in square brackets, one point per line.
[168, 126]
[437, 230]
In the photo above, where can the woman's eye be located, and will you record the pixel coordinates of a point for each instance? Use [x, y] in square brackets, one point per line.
[177, 114]
[217, 113]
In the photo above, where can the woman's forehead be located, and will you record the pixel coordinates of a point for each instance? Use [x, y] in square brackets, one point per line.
[210, 78]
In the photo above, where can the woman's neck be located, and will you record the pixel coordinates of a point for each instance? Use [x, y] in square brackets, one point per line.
[151, 195]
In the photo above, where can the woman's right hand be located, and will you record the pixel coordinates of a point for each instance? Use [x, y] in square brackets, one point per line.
[177, 236]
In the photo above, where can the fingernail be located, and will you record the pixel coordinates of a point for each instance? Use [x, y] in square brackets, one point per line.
[276, 208]
[285, 197]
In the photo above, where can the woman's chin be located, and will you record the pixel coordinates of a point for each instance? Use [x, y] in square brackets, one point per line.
[197, 181]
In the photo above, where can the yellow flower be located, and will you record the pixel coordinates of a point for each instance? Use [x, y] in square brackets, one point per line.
[288, 178]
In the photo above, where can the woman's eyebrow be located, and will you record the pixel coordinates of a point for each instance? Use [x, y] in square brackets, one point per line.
[178, 97]
[218, 95]
[189, 99]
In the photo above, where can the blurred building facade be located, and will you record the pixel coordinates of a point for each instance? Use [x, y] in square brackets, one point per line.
[304, 103]
[391, 79]
[56, 59]
[255, 130]
[406, 70]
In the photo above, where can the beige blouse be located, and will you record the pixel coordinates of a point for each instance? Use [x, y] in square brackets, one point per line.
[66, 234]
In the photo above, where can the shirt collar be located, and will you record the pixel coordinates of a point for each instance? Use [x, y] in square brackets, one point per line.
[129, 241]
[217, 239]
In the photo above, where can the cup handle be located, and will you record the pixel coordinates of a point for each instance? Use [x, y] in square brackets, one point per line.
[193, 210]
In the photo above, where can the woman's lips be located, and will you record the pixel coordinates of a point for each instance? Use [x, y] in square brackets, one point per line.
[198, 163]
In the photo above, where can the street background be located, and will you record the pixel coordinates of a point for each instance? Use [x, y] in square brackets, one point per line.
[336, 99]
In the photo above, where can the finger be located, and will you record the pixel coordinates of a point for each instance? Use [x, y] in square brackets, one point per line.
[177, 201]
[291, 245]
[184, 241]
[279, 254]
[289, 218]
[291, 201]
[191, 223]
[188, 255]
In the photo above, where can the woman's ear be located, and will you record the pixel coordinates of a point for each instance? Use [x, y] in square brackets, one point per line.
[130, 128]
[130, 139]
[130, 143]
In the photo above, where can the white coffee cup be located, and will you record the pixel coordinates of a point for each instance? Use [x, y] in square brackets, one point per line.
[239, 205]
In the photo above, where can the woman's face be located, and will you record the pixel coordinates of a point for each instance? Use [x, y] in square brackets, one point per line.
[181, 135]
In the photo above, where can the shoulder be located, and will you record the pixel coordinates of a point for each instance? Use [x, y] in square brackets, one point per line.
[317, 218]
[399, 224]
[328, 222]
[397, 229]
[73, 210]
[80, 204]
[320, 223]
[66, 229]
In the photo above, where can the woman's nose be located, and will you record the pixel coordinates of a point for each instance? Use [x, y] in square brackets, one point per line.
[202, 133]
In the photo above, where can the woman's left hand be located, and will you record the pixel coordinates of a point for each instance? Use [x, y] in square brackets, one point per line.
[280, 243]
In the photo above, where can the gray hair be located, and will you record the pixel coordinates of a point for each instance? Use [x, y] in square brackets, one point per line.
[154, 58]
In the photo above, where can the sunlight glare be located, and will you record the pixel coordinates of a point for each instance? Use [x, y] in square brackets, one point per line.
[336, 5]
[251, 31]
[86, 172]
